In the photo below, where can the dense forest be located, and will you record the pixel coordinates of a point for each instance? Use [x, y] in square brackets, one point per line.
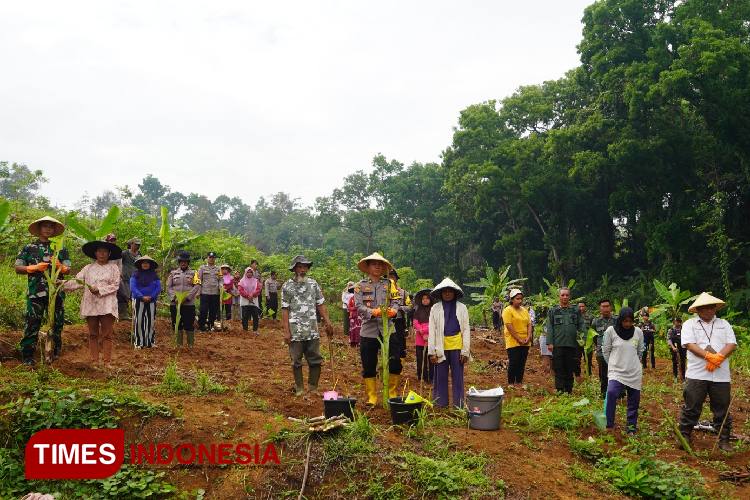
[632, 166]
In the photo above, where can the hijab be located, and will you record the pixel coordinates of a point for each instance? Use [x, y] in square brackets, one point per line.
[422, 312]
[625, 334]
[145, 278]
[249, 284]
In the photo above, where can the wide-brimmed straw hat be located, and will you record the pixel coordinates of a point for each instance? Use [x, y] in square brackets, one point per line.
[59, 226]
[362, 265]
[89, 249]
[706, 299]
[514, 292]
[446, 283]
[146, 258]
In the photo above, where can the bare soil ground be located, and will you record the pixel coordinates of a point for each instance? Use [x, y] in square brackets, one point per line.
[257, 371]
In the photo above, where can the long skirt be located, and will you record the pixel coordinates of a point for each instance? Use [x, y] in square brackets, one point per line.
[144, 321]
[355, 326]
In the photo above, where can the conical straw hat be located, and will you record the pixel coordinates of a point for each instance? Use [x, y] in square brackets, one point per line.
[362, 265]
[59, 226]
[446, 283]
[706, 299]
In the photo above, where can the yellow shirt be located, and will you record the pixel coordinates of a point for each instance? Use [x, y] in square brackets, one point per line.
[520, 319]
[453, 342]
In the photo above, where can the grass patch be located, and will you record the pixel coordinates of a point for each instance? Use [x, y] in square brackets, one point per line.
[204, 384]
[649, 478]
[555, 412]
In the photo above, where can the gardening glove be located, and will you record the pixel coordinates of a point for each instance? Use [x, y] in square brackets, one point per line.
[714, 359]
[392, 313]
[375, 313]
[63, 268]
[37, 268]
[710, 366]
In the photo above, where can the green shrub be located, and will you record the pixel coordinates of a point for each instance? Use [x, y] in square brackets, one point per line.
[649, 478]
[556, 412]
[172, 382]
[204, 384]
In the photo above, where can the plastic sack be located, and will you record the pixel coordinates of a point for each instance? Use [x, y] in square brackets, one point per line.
[497, 391]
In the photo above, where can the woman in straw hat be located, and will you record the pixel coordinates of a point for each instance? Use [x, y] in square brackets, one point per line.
[709, 341]
[518, 336]
[370, 295]
[145, 288]
[449, 342]
[101, 279]
[33, 260]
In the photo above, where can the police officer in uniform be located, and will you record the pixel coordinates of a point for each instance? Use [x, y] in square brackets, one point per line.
[369, 295]
[208, 276]
[404, 307]
[183, 279]
[564, 326]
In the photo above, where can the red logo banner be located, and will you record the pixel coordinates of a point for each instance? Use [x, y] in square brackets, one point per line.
[74, 453]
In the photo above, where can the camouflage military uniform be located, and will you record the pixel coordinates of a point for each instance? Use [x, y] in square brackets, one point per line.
[37, 301]
[301, 300]
[600, 325]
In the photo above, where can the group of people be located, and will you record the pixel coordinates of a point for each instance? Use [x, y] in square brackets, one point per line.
[442, 340]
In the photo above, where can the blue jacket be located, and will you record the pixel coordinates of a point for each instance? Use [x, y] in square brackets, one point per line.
[151, 290]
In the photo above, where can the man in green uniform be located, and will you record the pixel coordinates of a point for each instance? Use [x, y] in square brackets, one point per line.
[301, 298]
[33, 260]
[369, 295]
[564, 325]
[600, 324]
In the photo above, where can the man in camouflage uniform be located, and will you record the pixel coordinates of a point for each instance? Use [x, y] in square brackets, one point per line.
[33, 260]
[564, 327]
[301, 297]
[600, 324]
[183, 279]
[369, 295]
[208, 278]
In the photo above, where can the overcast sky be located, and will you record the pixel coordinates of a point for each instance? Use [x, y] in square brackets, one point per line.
[250, 98]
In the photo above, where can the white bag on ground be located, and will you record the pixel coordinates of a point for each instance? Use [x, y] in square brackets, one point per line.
[497, 391]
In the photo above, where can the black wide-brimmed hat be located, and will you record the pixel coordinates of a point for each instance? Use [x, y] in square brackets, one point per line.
[90, 248]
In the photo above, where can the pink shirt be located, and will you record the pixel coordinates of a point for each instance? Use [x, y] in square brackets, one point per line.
[421, 332]
[104, 277]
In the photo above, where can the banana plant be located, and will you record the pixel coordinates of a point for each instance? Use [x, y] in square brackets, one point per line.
[588, 345]
[84, 233]
[493, 284]
[673, 300]
[385, 352]
[180, 298]
[54, 287]
[4, 215]
[169, 242]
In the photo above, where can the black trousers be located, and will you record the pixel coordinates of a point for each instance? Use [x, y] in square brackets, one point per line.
[695, 392]
[517, 363]
[272, 304]
[603, 380]
[648, 340]
[187, 316]
[679, 361]
[399, 326]
[564, 361]
[209, 311]
[424, 366]
[495, 320]
[250, 311]
[227, 311]
[369, 349]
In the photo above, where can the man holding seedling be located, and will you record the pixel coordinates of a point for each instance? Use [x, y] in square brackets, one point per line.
[600, 324]
[208, 277]
[370, 295]
[301, 298]
[709, 341]
[183, 280]
[34, 260]
[564, 326]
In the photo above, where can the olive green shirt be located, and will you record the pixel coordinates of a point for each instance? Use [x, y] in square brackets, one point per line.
[564, 325]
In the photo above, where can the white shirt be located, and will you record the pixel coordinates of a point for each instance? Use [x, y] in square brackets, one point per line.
[718, 332]
[345, 296]
[623, 357]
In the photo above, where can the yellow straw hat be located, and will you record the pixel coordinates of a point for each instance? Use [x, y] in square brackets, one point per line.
[59, 226]
[706, 299]
[362, 265]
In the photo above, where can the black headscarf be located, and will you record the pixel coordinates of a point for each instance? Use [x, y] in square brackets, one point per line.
[625, 334]
[145, 278]
[421, 312]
